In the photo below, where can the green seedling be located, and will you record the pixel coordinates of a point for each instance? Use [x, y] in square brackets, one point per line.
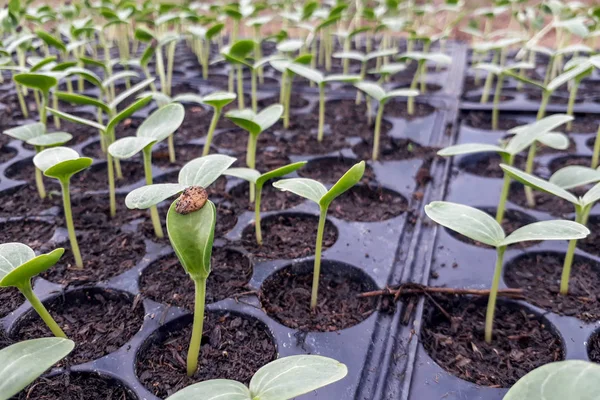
[258, 180]
[479, 226]
[422, 59]
[524, 137]
[256, 72]
[282, 379]
[386, 71]
[255, 124]
[571, 379]
[156, 45]
[201, 43]
[217, 100]
[565, 178]
[256, 24]
[108, 131]
[382, 97]
[573, 63]
[24, 362]
[62, 163]
[18, 266]
[287, 77]
[36, 136]
[157, 127]
[500, 73]
[18, 46]
[317, 192]
[321, 80]
[190, 225]
[236, 55]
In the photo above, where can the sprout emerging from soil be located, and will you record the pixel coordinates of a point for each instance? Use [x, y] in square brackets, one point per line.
[217, 100]
[255, 178]
[378, 93]
[282, 379]
[255, 124]
[575, 379]
[191, 226]
[24, 362]
[479, 226]
[18, 266]
[525, 136]
[62, 163]
[236, 55]
[565, 178]
[36, 136]
[321, 80]
[156, 128]
[108, 131]
[421, 74]
[317, 192]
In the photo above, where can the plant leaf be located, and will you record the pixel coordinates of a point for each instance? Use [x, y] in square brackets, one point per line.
[126, 113]
[26, 132]
[347, 181]
[26, 361]
[307, 72]
[187, 98]
[38, 81]
[74, 118]
[555, 140]
[400, 93]
[80, 99]
[539, 184]
[372, 89]
[192, 237]
[547, 230]
[127, 147]
[290, 45]
[85, 74]
[269, 116]
[351, 55]
[247, 174]
[12, 274]
[219, 99]
[469, 148]
[135, 88]
[119, 75]
[290, 377]
[214, 389]
[50, 139]
[245, 120]
[591, 196]
[558, 381]
[279, 172]
[567, 76]
[162, 122]
[203, 171]
[468, 221]
[150, 195]
[51, 40]
[60, 162]
[303, 187]
[574, 175]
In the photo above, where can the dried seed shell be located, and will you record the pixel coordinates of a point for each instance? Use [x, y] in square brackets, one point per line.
[192, 199]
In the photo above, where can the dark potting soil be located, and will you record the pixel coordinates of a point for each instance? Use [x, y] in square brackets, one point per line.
[165, 281]
[392, 149]
[236, 140]
[564, 161]
[585, 123]
[6, 153]
[96, 177]
[368, 204]
[183, 154]
[106, 252]
[286, 295]
[226, 219]
[536, 96]
[288, 236]
[75, 386]
[35, 234]
[483, 120]
[330, 169]
[593, 347]
[591, 244]
[10, 299]
[271, 199]
[521, 341]
[296, 101]
[24, 200]
[233, 347]
[399, 109]
[302, 144]
[99, 322]
[513, 220]
[24, 170]
[343, 110]
[488, 164]
[346, 119]
[539, 275]
[265, 160]
[543, 201]
[128, 127]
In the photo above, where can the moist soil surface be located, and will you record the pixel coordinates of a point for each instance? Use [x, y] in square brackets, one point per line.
[539, 274]
[368, 204]
[99, 322]
[543, 201]
[483, 120]
[272, 199]
[165, 281]
[330, 169]
[594, 347]
[591, 244]
[564, 161]
[288, 236]
[106, 252]
[521, 341]
[34, 234]
[488, 164]
[233, 347]
[10, 299]
[75, 386]
[513, 220]
[286, 295]
[392, 149]
[96, 177]
[399, 109]
[24, 200]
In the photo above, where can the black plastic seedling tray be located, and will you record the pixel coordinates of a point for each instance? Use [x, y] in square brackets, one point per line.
[378, 253]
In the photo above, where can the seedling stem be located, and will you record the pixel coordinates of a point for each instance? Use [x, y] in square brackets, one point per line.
[318, 249]
[147, 154]
[194, 349]
[64, 184]
[38, 306]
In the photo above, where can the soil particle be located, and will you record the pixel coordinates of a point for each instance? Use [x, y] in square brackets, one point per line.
[521, 341]
[368, 204]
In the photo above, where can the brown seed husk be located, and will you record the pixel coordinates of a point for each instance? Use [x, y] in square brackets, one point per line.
[192, 199]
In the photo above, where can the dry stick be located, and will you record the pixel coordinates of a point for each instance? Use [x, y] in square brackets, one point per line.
[412, 288]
